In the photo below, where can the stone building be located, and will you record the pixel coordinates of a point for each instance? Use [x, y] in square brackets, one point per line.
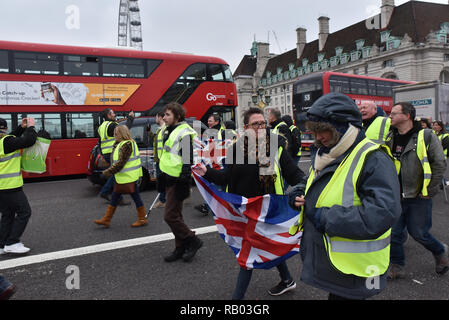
[407, 42]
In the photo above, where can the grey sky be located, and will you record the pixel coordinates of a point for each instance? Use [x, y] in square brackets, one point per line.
[223, 29]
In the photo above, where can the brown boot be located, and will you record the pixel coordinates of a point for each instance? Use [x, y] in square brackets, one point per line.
[106, 220]
[141, 217]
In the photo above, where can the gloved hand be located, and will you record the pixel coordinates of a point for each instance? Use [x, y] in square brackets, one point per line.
[297, 191]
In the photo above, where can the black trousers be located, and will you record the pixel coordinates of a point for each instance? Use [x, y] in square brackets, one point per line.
[16, 212]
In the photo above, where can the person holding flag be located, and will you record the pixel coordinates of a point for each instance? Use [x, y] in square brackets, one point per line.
[250, 179]
[352, 201]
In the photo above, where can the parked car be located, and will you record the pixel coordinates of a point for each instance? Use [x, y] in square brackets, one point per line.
[144, 140]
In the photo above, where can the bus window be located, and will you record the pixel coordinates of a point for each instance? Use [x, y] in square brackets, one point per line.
[4, 65]
[372, 88]
[196, 71]
[49, 122]
[126, 68]
[80, 125]
[8, 118]
[384, 89]
[80, 66]
[228, 73]
[339, 84]
[215, 73]
[36, 63]
[359, 86]
[151, 66]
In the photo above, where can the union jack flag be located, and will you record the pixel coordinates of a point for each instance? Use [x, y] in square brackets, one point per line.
[256, 229]
[211, 152]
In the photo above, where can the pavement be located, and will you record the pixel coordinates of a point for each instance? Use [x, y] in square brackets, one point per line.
[72, 258]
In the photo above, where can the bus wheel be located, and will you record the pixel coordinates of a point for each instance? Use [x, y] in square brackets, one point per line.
[144, 180]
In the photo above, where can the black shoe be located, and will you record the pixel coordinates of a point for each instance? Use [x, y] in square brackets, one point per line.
[175, 255]
[193, 244]
[202, 208]
[282, 288]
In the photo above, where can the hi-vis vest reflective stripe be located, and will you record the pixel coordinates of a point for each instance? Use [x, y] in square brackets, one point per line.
[362, 258]
[160, 141]
[276, 129]
[132, 170]
[441, 137]
[421, 152]
[171, 161]
[292, 127]
[378, 130]
[10, 172]
[106, 142]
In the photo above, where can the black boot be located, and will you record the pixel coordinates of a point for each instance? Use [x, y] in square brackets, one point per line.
[175, 255]
[193, 244]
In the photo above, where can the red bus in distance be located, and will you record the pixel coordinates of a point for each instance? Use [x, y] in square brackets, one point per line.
[66, 87]
[359, 88]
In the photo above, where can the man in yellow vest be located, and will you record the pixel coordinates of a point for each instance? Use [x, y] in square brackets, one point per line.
[375, 123]
[175, 164]
[351, 203]
[106, 141]
[419, 156]
[14, 205]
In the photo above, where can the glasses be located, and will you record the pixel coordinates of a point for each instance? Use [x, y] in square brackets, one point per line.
[256, 125]
[395, 113]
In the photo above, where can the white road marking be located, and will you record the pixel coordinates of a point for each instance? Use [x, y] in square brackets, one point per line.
[40, 258]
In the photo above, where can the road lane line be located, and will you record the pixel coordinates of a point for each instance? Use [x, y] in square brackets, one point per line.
[40, 258]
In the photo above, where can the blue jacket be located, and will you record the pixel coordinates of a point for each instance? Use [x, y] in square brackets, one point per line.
[378, 189]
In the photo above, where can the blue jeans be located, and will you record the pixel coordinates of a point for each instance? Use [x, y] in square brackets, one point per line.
[4, 284]
[109, 185]
[417, 218]
[245, 277]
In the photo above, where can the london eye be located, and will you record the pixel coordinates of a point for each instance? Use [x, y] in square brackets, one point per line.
[129, 25]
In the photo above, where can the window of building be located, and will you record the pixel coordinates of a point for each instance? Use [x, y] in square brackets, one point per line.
[36, 63]
[125, 68]
[81, 66]
[444, 76]
[4, 64]
[80, 125]
[388, 63]
[446, 57]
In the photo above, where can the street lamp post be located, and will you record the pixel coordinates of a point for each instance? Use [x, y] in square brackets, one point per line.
[261, 99]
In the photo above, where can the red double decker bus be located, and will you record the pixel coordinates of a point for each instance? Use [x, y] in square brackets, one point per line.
[359, 88]
[66, 87]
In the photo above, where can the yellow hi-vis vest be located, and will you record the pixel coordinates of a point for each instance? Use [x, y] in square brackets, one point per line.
[10, 172]
[160, 141]
[441, 137]
[106, 142]
[362, 258]
[378, 130]
[300, 148]
[171, 160]
[132, 170]
[276, 129]
[421, 152]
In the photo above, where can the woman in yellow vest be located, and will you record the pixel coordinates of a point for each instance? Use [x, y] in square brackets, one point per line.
[443, 136]
[351, 202]
[126, 168]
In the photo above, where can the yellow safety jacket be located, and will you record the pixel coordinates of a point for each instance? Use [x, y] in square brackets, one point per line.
[106, 141]
[10, 172]
[441, 137]
[171, 160]
[378, 130]
[132, 170]
[362, 258]
[276, 129]
[160, 141]
[421, 152]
